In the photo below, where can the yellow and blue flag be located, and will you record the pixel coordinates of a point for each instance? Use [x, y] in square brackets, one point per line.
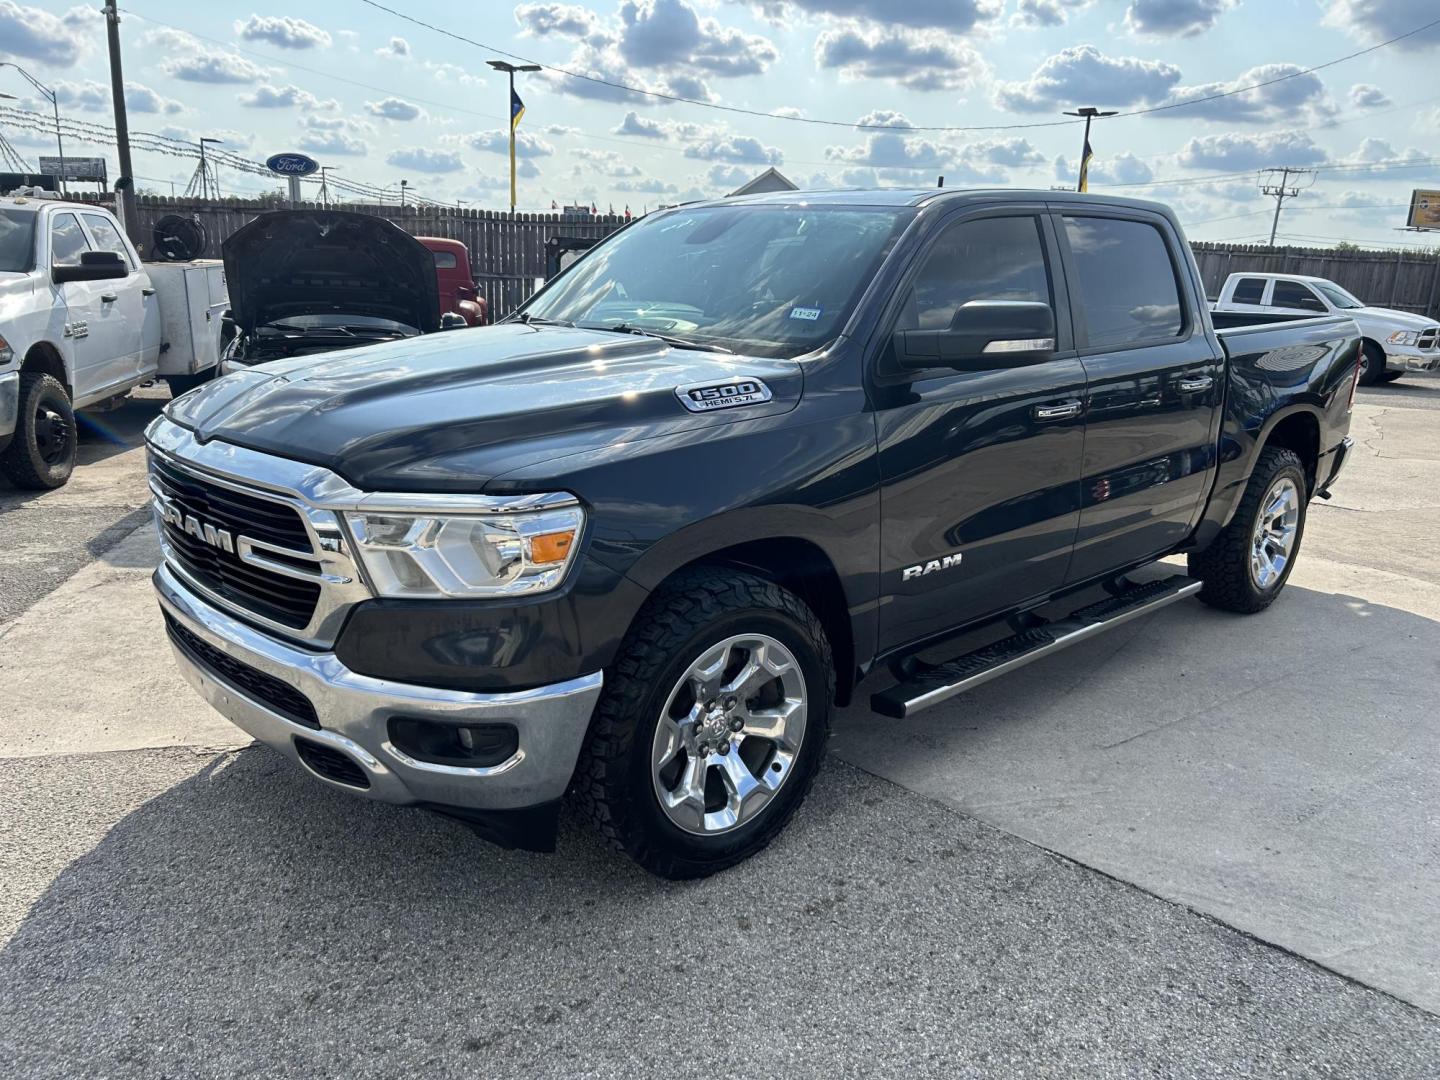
[1085, 166]
[517, 109]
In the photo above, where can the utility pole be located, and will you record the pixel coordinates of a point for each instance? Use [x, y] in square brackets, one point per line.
[403, 185]
[516, 110]
[324, 185]
[125, 182]
[1089, 112]
[1281, 189]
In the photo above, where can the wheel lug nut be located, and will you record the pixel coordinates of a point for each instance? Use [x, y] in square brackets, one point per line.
[730, 702]
[736, 724]
[724, 748]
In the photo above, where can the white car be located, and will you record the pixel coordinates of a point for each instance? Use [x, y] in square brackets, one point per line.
[1394, 341]
[82, 321]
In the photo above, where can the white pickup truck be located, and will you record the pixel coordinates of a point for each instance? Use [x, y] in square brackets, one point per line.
[82, 322]
[1394, 342]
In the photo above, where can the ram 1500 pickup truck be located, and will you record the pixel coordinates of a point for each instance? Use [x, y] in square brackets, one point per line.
[637, 541]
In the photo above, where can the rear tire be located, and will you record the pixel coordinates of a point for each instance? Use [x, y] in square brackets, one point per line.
[686, 790]
[41, 456]
[1247, 565]
[1372, 363]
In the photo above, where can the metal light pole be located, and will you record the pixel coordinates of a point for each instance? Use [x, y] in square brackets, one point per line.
[324, 186]
[403, 185]
[48, 94]
[514, 113]
[1089, 112]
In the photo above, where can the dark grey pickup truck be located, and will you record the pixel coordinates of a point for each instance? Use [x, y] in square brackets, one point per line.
[635, 542]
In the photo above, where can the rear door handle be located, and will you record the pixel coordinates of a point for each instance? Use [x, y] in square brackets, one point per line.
[1063, 410]
[107, 298]
[1195, 384]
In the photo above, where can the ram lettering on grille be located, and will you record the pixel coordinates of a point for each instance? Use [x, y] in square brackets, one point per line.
[193, 526]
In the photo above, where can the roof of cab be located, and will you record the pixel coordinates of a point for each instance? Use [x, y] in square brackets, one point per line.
[926, 196]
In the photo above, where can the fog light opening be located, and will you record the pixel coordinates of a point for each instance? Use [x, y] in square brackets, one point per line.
[462, 745]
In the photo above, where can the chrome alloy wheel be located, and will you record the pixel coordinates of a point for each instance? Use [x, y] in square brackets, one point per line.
[729, 734]
[1276, 526]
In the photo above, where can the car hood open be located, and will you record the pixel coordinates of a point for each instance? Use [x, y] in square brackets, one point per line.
[310, 262]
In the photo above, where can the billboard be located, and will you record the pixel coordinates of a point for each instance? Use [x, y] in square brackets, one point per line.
[292, 164]
[82, 170]
[1424, 210]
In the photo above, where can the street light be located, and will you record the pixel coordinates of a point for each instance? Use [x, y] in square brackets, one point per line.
[1089, 112]
[54, 104]
[516, 108]
[403, 185]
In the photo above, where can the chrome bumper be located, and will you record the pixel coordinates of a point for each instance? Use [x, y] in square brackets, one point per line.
[354, 711]
[9, 405]
[1410, 359]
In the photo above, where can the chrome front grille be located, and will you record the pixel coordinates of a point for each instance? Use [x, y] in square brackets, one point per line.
[244, 531]
[1429, 339]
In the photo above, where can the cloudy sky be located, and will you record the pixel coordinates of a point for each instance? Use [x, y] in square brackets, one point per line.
[824, 90]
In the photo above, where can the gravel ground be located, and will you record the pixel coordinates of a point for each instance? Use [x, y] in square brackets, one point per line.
[180, 915]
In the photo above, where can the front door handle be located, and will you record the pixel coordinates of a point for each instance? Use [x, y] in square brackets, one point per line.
[1062, 410]
[1195, 384]
[147, 291]
[107, 297]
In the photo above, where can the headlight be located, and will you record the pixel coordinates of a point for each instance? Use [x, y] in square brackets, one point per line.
[1404, 337]
[6, 352]
[466, 555]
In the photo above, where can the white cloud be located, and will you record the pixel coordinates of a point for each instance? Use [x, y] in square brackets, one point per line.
[1084, 74]
[1036, 13]
[1380, 20]
[634, 124]
[741, 149]
[671, 34]
[917, 60]
[284, 31]
[1300, 95]
[425, 159]
[266, 96]
[1123, 169]
[92, 96]
[189, 60]
[1366, 96]
[498, 142]
[333, 142]
[54, 40]
[1233, 151]
[395, 47]
[952, 16]
[393, 108]
[563, 20]
[1174, 18]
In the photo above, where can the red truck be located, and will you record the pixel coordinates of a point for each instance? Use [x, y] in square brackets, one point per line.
[458, 293]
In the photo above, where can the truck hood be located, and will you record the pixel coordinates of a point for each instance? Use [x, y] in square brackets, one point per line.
[1390, 318]
[450, 412]
[309, 262]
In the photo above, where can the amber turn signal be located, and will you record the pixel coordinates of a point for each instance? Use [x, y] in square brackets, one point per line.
[551, 547]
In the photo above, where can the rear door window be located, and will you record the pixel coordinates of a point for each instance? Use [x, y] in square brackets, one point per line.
[1292, 294]
[1126, 281]
[1250, 290]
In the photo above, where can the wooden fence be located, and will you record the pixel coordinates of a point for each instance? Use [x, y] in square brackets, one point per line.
[1408, 280]
[508, 252]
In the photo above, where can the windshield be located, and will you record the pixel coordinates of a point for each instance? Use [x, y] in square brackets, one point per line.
[17, 241]
[1338, 296]
[769, 281]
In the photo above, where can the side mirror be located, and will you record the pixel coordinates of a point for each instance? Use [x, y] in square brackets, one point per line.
[94, 266]
[983, 334]
[451, 320]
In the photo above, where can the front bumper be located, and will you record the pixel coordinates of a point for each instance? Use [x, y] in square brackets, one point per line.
[354, 711]
[9, 406]
[1409, 358]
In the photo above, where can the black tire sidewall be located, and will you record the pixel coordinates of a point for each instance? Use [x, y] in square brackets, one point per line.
[1375, 357]
[726, 847]
[24, 463]
[1297, 477]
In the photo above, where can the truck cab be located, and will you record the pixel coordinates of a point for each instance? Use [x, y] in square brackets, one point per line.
[1393, 342]
[458, 293]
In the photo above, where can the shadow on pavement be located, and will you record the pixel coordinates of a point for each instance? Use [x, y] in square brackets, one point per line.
[249, 921]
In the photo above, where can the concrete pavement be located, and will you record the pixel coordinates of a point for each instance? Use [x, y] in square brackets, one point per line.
[169, 906]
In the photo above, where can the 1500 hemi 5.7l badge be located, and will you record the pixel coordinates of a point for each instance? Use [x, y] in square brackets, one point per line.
[725, 395]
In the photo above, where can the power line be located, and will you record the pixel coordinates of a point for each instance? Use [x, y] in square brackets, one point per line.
[882, 127]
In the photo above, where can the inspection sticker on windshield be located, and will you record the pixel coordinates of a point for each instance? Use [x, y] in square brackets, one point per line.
[726, 395]
[809, 314]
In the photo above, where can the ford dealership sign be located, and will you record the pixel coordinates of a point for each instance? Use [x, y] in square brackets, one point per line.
[292, 164]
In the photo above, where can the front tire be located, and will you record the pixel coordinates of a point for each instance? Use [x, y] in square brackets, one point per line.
[41, 456]
[1247, 565]
[712, 724]
[1372, 364]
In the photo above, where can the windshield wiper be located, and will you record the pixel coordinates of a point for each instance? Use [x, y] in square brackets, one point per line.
[669, 339]
[540, 320]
